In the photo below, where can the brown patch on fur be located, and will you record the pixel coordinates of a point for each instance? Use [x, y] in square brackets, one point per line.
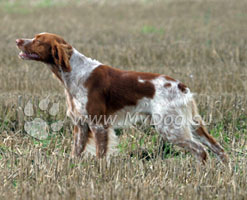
[61, 54]
[81, 135]
[101, 141]
[211, 143]
[182, 87]
[110, 89]
[201, 131]
[170, 78]
[167, 85]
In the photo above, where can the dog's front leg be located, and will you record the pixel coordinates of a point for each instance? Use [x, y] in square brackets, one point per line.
[101, 140]
[81, 135]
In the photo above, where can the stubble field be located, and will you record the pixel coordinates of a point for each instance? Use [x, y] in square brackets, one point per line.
[201, 43]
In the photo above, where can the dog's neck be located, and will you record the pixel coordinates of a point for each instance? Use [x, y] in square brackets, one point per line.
[81, 68]
[81, 62]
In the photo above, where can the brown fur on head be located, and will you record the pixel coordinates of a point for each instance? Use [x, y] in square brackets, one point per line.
[48, 48]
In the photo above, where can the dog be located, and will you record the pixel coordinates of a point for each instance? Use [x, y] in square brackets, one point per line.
[97, 91]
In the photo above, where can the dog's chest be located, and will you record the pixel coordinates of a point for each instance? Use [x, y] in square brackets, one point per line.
[76, 104]
[76, 92]
[76, 96]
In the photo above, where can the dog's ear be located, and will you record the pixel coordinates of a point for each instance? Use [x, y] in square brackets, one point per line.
[61, 54]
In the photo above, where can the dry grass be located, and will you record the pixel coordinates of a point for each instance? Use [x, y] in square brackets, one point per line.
[202, 43]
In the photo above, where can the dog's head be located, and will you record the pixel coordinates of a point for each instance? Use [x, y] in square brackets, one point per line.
[48, 48]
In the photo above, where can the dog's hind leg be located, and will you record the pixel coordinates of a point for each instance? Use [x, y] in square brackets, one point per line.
[184, 139]
[105, 141]
[200, 133]
[180, 134]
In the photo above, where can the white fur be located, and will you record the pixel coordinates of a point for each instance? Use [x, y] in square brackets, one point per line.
[140, 80]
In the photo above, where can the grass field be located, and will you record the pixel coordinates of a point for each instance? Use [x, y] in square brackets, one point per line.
[201, 43]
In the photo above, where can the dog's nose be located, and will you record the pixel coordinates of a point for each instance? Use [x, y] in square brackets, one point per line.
[19, 41]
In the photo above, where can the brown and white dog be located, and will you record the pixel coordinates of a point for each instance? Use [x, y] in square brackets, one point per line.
[98, 91]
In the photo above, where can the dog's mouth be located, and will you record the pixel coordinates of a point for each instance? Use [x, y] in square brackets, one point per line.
[28, 56]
